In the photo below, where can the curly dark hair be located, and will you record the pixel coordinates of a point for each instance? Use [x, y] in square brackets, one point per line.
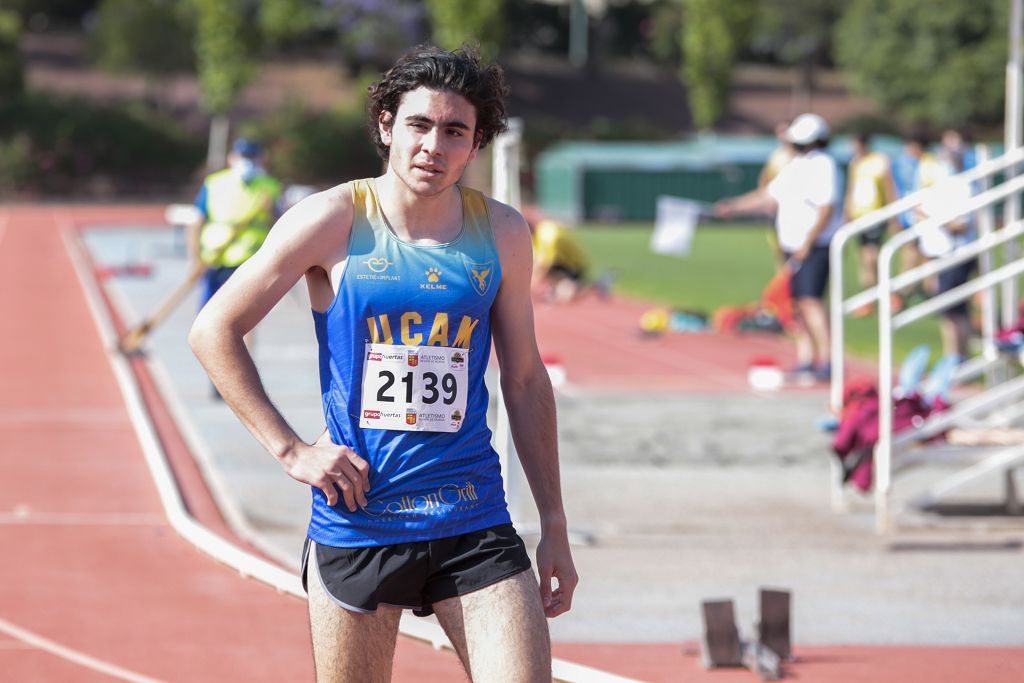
[460, 71]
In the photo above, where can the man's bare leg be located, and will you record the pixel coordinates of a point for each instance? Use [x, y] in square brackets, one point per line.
[802, 339]
[867, 265]
[347, 646]
[813, 313]
[500, 632]
[955, 330]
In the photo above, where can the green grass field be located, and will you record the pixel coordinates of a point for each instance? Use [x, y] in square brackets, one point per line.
[729, 264]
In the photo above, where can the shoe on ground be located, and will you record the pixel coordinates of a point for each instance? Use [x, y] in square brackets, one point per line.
[823, 372]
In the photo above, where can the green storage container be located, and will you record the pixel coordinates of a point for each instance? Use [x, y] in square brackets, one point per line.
[621, 181]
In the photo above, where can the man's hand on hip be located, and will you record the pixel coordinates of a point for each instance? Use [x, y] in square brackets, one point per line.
[330, 467]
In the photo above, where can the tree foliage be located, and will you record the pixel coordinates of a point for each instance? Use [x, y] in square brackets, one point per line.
[223, 54]
[467, 21]
[153, 37]
[284, 20]
[374, 32]
[713, 33]
[11, 77]
[793, 31]
[938, 62]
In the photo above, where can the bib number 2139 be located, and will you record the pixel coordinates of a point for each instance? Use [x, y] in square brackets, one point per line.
[414, 388]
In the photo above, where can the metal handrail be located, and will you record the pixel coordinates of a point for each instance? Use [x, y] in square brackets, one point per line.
[888, 323]
[838, 305]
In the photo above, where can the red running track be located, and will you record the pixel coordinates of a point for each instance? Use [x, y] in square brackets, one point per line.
[89, 561]
[93, 579]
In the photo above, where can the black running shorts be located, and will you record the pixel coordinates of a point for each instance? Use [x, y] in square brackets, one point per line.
[415, 575]
[811, 276]
[954, 277]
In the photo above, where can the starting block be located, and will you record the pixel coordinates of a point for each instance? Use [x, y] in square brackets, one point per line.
[773, 626]
[721, 646]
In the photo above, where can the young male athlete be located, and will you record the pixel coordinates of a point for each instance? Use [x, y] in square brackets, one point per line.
[410, 276]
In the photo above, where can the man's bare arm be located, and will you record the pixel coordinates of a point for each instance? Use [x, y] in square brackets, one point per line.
[531, 405]
[312, 235]
[753, 202]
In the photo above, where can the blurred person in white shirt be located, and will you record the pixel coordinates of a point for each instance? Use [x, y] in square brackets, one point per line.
[945, 202]
[806, 197]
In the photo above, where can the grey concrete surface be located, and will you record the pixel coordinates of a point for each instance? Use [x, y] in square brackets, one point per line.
[687, 497]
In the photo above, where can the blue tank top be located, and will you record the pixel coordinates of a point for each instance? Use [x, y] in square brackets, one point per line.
[424, 484]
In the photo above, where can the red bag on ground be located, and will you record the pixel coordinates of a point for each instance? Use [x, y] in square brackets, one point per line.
[855, 438]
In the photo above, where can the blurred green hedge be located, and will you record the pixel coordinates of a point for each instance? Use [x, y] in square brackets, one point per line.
[73, 147]
[316, 148]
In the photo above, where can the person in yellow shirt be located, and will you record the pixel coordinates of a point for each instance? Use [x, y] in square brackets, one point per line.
[779, 157]
[560, 266]
[869, 187]
[914, 169]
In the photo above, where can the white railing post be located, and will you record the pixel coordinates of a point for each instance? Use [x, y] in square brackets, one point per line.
[1014, 137]
[838, 360]
[986, 261]
[883, 448]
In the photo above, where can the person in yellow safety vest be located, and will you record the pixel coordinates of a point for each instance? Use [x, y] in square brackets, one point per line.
[869, 187]
[559, 263]
[238, 205]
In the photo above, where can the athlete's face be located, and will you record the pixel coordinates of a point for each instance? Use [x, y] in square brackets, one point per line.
[431, 139]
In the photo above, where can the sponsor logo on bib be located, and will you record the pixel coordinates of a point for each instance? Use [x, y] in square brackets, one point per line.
[413, 359]
[410, 416]
[371, 414]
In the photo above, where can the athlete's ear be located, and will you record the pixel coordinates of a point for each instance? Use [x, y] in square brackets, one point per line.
[476, 145]
[385, 122]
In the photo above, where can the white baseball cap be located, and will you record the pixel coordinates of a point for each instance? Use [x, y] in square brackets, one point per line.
[807, 128]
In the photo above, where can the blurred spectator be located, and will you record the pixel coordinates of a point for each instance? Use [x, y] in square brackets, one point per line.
[779, 157]
[807, 201]
[870, 186]
[956, 142]
[945, 202]
[915, 168]
[560, 266]
[238, 205]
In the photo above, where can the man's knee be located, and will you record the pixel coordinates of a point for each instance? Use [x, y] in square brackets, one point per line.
[504, 630]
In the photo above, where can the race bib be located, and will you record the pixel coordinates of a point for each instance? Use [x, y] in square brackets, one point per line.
[414, 388]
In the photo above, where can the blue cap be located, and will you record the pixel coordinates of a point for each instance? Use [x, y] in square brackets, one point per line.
[247, 148]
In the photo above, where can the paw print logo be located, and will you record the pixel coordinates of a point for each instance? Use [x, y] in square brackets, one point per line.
[433, 275]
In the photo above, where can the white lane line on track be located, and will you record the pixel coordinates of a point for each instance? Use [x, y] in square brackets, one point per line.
[23, 517]
[71, 655]
[74, 416]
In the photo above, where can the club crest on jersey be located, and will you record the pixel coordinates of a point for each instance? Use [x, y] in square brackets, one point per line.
[480, 275]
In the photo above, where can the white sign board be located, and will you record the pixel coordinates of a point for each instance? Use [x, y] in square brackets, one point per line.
[674, 225]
